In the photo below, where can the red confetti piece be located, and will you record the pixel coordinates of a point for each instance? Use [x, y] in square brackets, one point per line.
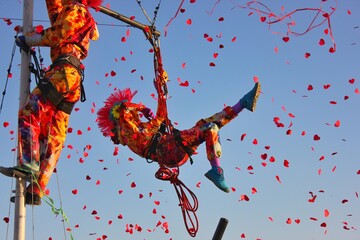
[337, 123]
[242, 235]
[297, 221]
[198, 184]
[39, 28]
[212, 64]
[286, 163]
[244, 198]
[6, 219]
[326, 213]
[327, 86]
[157, 203]
[233, 39]
[288, 221]
[321, 42]
[116, 151]
[352, 81]
[310, 87]
[189, 21]
[307, 55]
[323, 224]
[253, 190]
[255, 141]
[316, 137]
[6, 124]
[286, 39]
[278, 178]
[221, 19]
[184, 84]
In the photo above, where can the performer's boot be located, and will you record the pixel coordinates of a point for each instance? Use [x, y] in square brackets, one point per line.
[18, 172]
[216, 175]
[30, 199]
[249, 100]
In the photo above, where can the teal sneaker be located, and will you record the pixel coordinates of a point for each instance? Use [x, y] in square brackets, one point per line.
[249, 100]
[216, 175]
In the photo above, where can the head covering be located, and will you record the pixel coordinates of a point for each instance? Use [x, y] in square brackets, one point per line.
[88, 3]
[91, 3]
[108, 115]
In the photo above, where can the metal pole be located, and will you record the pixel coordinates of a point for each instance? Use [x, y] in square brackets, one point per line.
[20, 209]
[125, 19]
[220, 229]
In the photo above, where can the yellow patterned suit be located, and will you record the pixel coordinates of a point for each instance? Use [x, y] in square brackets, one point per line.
[42, 124]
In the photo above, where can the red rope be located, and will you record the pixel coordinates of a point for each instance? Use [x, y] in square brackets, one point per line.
[188, 208]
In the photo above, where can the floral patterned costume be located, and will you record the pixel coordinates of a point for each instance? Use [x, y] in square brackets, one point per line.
[120, 120]
[42, 123]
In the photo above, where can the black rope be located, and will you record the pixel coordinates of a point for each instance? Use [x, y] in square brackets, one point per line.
[152, 22]
[8, 76]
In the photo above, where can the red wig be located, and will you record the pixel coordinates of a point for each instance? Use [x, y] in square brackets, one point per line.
[107, 115]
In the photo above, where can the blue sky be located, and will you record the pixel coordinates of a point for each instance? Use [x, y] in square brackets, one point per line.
[279, 208]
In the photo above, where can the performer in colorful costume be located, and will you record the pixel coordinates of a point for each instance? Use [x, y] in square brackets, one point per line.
[43, 121]
[120, 120]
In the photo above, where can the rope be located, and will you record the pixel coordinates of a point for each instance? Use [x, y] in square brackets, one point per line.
[188, 209]
[8, 75]
[152, 22]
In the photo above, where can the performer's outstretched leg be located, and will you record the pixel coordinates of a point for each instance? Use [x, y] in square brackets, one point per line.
[213, 146]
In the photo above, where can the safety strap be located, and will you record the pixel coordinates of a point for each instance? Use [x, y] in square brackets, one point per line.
[48, 89]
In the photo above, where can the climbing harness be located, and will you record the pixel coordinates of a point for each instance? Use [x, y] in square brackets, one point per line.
[48, 89]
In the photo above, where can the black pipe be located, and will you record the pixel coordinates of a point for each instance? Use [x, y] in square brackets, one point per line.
[220, 229]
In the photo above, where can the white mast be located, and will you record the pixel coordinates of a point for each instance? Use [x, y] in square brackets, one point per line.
[20, 209]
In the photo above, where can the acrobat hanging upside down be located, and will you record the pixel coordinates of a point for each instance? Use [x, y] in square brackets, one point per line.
[120, 120]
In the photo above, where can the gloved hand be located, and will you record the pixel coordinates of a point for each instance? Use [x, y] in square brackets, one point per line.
[21, 43]
[148, 113]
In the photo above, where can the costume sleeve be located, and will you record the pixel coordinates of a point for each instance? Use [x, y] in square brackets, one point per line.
[54, 7]
[161, 111]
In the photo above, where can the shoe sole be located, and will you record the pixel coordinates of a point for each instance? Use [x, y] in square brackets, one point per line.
[208, 176]
[256, 97]
[11, 172]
